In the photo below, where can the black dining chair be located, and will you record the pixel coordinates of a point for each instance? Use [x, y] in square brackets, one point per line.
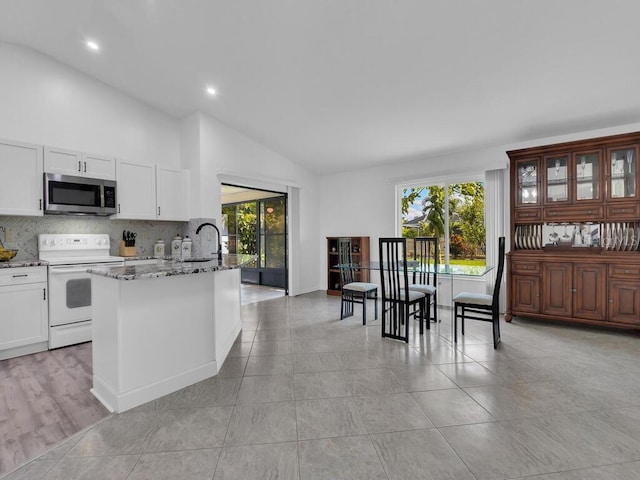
[425, 274]
[478, 306]
[353, 291]
[397, 299]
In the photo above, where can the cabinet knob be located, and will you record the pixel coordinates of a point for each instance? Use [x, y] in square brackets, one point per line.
[626, 271]
[611, 300]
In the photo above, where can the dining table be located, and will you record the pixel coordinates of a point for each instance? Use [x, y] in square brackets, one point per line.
[453, 271]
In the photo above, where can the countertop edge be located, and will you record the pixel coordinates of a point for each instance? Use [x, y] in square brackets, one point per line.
[23, 263]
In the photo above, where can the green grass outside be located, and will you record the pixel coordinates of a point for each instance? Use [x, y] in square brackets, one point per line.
[466, 261]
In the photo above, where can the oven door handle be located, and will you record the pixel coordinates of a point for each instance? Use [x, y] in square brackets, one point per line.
[58, 270]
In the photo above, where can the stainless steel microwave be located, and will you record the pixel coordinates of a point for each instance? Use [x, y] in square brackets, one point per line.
[66, 194]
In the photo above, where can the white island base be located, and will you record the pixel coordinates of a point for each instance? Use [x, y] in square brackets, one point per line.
[153, 336]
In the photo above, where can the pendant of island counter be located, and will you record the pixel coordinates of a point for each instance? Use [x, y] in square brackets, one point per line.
[159, 328]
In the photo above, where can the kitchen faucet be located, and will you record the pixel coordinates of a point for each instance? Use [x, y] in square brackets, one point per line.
[219, 241]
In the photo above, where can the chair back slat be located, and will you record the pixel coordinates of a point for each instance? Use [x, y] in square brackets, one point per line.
[393, 269]
[426, 254]
[347, 273]
[496, 287]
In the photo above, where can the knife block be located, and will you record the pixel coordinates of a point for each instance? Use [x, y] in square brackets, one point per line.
[127, 251]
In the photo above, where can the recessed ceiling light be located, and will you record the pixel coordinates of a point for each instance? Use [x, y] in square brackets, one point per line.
[211, 91]
[91, 45]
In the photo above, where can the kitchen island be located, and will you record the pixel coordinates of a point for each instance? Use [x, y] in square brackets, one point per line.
[161, 327]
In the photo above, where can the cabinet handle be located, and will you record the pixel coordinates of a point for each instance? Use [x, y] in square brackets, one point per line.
[79, 166]
[22, 275]
[40, 207]
[85, 167]
[44, 293]
[158, 211]
[589, 212]
[553, 214]
[118, 208]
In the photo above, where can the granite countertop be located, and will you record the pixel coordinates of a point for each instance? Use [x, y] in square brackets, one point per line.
[170, 268]
[149, 257]
[23, 263]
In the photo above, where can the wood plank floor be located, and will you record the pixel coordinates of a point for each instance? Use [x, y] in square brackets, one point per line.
[44, 399]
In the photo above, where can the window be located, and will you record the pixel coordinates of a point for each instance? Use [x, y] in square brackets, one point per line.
[452, 212]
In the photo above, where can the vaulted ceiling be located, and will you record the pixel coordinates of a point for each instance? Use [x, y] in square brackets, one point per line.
[342, 84]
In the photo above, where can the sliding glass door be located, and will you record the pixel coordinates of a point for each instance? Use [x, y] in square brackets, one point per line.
[259, 227]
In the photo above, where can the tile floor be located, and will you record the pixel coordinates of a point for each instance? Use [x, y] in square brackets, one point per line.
[306, 396]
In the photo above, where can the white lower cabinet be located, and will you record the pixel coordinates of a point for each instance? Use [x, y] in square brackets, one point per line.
[24, 315]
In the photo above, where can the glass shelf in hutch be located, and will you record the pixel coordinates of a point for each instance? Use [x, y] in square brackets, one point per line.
[527, 189]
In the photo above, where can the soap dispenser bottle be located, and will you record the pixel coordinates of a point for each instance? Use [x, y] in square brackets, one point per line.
[186, 248]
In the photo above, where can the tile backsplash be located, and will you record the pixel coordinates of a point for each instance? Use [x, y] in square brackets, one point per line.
[24, 231]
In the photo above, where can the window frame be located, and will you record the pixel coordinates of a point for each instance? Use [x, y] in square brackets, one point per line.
[443, 180]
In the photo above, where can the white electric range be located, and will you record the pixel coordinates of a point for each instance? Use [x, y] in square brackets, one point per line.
[69, 256]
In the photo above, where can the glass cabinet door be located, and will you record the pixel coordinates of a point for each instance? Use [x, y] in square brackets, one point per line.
[557, 179]
[622, 172]
[587, 176]
[527, 189]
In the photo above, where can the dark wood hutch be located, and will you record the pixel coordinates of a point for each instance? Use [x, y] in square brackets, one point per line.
[575, 232]
[359, 254]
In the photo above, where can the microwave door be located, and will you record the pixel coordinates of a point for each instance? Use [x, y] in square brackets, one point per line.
[66, 194]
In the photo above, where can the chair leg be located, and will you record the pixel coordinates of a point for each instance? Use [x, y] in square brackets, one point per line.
[427, 301]
[364, 308]
[462, 320]
[455, 323]
[421, 317]
[384, 320]
[375, 302]
[405, 316]
[435, 307]
[496, 330]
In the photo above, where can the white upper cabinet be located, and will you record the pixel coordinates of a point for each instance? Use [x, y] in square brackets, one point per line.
[71, 162]
[21, 171]
[172, 193]
[98, 166]
[151, 192]
[136, 195]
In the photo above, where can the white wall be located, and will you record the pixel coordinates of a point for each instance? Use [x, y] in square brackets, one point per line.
[363, 202]
[45, 102]
[226, 155]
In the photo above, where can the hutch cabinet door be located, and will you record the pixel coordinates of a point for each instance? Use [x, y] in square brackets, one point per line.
[586, 176]
[590, 299]
[527, 182]
[557, 288]
[624, 301]
[556, 179]
[621, 173]
[526, 294]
